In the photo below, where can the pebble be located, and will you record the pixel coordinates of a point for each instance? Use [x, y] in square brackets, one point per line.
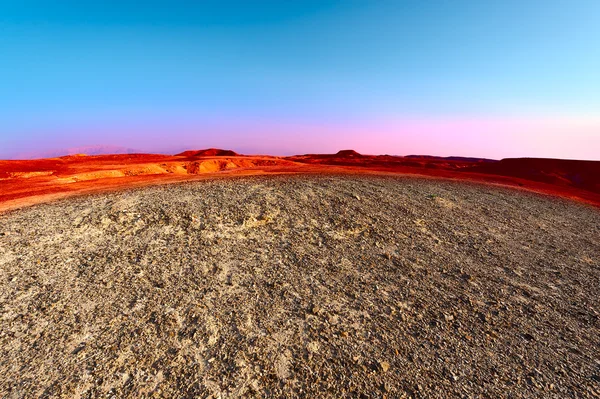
[313, 347]
[385, 366]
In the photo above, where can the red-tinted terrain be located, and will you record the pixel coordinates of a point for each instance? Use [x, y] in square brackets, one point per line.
[27, 182]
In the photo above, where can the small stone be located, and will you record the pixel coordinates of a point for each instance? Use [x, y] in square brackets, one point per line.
[528, 337]
[313, 347]
[385, 366]
[78, 349]
[448, 317]
[531, 380]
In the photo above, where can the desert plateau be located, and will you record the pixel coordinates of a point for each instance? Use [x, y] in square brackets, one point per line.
[312, 276]
[27, 182]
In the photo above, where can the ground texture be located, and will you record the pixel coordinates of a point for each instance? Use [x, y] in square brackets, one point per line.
[330, 286]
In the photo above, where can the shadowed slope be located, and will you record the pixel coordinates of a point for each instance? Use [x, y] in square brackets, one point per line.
[580, 174]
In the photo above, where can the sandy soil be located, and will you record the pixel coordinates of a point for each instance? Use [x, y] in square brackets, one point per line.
[303, 286]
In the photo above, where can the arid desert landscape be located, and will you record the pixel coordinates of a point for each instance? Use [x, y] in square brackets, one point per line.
[27, 182]
[287, 282]
[307, 199]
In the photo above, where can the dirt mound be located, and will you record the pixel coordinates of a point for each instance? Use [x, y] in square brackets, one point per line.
[301, 287]
[210, 152]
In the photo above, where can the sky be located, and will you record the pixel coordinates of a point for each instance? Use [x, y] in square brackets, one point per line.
[490, 79]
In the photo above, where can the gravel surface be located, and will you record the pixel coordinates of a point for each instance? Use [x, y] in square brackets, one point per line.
[322, 286]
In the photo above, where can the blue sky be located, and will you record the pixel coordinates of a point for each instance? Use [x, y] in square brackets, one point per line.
[479, 78]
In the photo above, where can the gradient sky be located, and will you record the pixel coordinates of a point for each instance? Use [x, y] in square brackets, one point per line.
[473, 78]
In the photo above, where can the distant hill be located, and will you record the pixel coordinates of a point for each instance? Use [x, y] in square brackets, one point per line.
[85, 150]
[348, 154]
[209, 152]
[452, 158]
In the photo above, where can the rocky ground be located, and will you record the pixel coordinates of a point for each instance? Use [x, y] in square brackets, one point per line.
[322, 286]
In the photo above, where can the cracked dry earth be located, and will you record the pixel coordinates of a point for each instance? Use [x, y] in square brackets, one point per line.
[306, 286]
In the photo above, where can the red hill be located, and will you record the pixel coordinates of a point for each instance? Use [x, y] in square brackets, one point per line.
[348, 154]
[210, 152]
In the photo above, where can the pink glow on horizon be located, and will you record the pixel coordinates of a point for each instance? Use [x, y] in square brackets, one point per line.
[567, 137]
[559, 137]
